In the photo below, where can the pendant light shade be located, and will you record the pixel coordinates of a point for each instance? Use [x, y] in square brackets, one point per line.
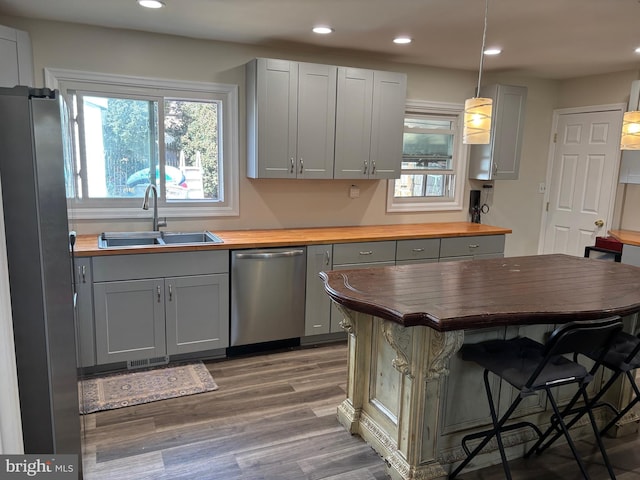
[630, 139]
[477, 110]
[477, 120]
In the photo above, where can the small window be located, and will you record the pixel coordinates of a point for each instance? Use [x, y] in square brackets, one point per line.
[432, 160]
[129, 134]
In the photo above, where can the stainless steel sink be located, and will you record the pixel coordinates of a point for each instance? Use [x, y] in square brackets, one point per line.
[128, 239]
[188, 238]
[143, 239]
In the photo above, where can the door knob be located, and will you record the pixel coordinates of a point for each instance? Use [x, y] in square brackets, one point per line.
[599, 223]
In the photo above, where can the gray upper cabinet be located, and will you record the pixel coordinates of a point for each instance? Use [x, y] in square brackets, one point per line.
[369, 123]
[15, 57]
[314, 121]
[290, 119]
[500, 159]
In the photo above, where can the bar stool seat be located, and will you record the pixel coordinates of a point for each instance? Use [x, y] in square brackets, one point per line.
[532, 367]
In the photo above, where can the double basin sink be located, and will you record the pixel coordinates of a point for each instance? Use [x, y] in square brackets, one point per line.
[141, 239]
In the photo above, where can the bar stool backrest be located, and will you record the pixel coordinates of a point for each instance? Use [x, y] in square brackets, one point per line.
[583, 336]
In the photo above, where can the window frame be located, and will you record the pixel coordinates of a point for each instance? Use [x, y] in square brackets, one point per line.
[158, 88]
[459, 160]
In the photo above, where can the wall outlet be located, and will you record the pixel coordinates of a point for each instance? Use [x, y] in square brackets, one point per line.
[542, 188]
[354, 191]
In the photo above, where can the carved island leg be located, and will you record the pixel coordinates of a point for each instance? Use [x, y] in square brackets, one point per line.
[393, 391]
[350, 409]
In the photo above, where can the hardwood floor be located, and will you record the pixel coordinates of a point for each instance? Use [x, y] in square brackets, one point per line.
[274, 417]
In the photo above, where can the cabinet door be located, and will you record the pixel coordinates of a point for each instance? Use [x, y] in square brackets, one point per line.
[85, 332]
[353, 123]
[316, 120]
[387, 124]
[129, 320]
[317, 317]
[276, 131]
[15, 58]
[197, 313]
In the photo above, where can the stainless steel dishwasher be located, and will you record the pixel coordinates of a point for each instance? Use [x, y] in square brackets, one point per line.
[267, 294]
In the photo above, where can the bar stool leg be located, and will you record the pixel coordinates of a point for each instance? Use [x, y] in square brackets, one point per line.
[497, 425]
[596, 432]
[556, 411]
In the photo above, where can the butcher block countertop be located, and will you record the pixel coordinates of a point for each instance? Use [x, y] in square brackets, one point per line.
[630, 237]
[87, 245]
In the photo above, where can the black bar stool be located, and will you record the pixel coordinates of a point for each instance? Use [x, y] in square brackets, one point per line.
[532, 367]
[622, 358]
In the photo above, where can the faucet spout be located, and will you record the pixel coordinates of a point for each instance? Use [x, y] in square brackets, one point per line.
[145, 206]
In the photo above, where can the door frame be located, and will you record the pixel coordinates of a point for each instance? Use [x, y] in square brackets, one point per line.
[621, 108]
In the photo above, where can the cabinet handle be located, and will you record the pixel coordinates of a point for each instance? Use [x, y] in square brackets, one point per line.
[366, 165]
[373, 167]
[474, 245]
[83, 273]
[301, 164]
[293, 164]
[417, 250]
[369, 252]
[170, 292]
[327, 258]
[158, 292]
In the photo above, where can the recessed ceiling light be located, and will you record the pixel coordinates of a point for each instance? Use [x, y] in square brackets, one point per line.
[493, 51]
[402, 40]
[151, 3]
[637, 50]
[322, 29]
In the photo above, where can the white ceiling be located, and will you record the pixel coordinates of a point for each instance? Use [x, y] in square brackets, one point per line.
[545, 38]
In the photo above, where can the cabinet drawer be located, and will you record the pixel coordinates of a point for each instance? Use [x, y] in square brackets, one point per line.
[418, 249]
[364, 252]
[153, 265]
[477, 245]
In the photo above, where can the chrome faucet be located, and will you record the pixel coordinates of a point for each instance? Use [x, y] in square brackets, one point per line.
[145, 206]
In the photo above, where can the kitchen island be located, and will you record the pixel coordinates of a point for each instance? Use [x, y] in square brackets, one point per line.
[408, 393]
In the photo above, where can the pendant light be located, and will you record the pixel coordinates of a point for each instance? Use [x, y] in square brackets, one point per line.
[630, 139]
[477, 110]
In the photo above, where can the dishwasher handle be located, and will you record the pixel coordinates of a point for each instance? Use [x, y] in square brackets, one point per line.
[288, 253]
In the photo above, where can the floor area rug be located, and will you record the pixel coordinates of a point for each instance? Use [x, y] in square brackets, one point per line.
[124, 389]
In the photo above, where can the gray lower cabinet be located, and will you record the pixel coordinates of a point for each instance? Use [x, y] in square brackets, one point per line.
[360, 255]
[85, 331]
[317, 304]
[141, 312]
[322, 317]
[471, 248]
[423, 250]
[129, 317]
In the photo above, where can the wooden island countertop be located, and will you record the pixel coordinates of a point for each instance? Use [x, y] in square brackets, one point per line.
[87, 245]
[494, 292]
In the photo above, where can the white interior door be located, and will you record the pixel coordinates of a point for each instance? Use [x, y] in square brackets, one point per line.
[582, 179]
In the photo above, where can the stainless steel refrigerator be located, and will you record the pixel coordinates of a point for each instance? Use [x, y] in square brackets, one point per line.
[32, 165]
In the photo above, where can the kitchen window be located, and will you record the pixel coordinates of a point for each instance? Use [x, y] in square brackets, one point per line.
[433, 160]
[131, 132]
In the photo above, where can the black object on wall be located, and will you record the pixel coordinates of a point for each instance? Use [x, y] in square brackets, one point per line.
[474, 206]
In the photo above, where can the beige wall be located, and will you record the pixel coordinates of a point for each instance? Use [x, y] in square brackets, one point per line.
[515, 204]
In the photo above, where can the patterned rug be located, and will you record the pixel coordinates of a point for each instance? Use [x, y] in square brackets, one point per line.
[124, 389]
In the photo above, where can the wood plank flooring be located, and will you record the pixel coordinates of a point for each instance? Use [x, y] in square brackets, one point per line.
[274, 417]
